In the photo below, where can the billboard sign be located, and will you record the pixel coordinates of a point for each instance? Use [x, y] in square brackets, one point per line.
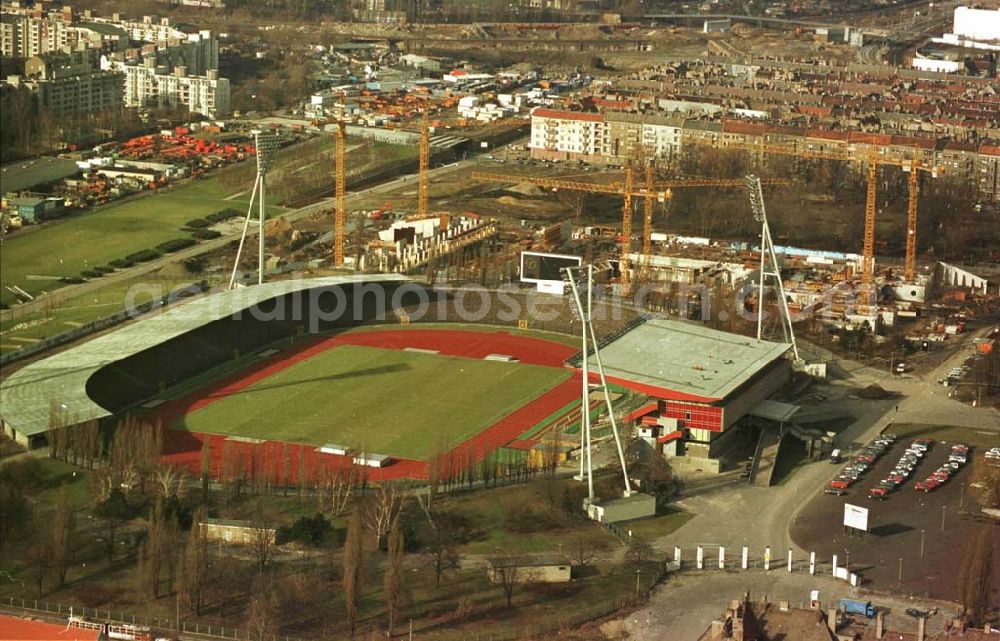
[855, 517]
[545, 270]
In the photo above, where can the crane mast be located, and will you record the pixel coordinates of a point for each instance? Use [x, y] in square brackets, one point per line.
[340, 191]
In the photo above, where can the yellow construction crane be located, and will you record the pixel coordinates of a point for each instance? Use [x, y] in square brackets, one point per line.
[651, 190]
[339, 197]
[876, 156]
[425, 161]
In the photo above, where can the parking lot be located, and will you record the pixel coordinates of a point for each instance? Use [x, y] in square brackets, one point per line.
[898, 523]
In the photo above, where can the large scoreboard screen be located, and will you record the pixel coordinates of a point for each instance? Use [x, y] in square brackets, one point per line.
[539, 267]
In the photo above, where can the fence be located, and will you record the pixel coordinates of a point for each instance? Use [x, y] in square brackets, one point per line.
[583, 613]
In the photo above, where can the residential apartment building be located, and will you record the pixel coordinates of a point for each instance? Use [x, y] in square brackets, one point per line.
[197, 52]
[652, 135]
[567, 135]
[23, 34]
[70, 84]
[151, 86]
[149, 29]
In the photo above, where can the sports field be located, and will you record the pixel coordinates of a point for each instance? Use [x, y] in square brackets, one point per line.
[387, 401]
[65, 248]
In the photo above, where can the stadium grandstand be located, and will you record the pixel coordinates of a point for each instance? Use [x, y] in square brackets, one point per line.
[110, 373]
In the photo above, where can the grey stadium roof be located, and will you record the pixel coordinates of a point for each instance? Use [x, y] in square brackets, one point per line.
[27, 395]
[687, 358]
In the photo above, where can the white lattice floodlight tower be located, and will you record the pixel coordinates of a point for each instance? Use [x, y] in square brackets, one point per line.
[266, 145]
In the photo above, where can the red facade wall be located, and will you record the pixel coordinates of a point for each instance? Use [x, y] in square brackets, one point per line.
[703, 417]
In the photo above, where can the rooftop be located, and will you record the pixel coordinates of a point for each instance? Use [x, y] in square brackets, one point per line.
[25, 174]
[676, 358]
[531, 561]
[27, 395]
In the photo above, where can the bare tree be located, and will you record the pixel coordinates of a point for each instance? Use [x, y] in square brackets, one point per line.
[975, 577]
[638, 550]
[194, 577]
[205, 469]
[393, 580]
[337, 488]
[286, 468]
[582, 554]
[155, 553]
[434, 474]
[168, 479]
[261, 537]
[382, 509]
[352, 563]
[39, 558]
[507, 571]
[262, 611]
[62, 533]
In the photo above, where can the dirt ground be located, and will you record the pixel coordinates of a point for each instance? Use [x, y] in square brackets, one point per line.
[897, 525]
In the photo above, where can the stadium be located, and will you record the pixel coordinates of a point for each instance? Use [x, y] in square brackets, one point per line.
[381, 372]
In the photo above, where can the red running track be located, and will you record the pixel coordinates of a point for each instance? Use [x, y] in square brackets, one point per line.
[284, 462]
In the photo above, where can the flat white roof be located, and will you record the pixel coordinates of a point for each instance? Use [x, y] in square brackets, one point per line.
[695, 361]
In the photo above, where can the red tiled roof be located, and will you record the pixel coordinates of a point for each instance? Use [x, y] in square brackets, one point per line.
[15, 629]
[739, 127]
[825, 134]
[870, 139]
[990, 150]
[541, 112]
[612, 104]
[672, 436]
[960, 146]
[812, 110]
[913, 141]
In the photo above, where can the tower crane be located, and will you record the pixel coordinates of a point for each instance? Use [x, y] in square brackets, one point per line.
[876, 156]
[425, 161]
[340, 190]
[626, 190]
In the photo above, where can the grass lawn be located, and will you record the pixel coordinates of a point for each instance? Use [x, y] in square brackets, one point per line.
[95, 238]
[385, 401]
[488, 510]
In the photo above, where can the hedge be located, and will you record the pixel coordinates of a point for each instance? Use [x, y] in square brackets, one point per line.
[206, 234]
[224, 214]
[197, 223]
[143, 256]
[175, 245]
[91, 273]
[71, 280]
[121, 263]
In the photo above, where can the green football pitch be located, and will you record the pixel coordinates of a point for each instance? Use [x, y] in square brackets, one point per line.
[404, 404]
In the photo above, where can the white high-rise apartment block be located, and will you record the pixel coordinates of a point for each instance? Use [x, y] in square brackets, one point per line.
[150, 86]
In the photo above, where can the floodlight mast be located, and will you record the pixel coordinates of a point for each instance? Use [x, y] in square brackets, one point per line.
[265, 144]
[585, 452]
[768, 255]
[590, 335]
